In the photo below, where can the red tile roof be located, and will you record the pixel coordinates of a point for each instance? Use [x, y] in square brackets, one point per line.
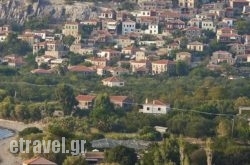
[195, 43]
[41, 71]
[156, 102]
[166, 62]
[88, 98]
[80, 68]
[39, 161]
[112, 79]
[94, 155]
[118, 98]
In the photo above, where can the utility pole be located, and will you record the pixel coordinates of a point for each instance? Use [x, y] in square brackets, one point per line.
[208, 150]
[233, 127]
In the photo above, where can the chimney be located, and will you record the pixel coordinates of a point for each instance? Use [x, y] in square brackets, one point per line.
[146, 101]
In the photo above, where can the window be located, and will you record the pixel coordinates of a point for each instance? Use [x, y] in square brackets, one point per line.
[159, 109]
[148, 108]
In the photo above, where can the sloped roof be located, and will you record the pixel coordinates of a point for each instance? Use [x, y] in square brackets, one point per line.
[80, 68]
[113, 79]
[39, 161]
[111, 143]
[94, 155]
[88, 98]
[118, 98]
[41, 71]
[166, 62]
[195, 43]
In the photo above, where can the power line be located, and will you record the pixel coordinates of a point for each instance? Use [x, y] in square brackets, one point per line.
[133, 103]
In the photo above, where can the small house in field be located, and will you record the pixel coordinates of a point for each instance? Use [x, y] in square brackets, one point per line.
[113, 82]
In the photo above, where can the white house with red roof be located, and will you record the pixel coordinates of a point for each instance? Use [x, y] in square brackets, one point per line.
[155, 107]
[85, 101]
[121, 101]
[113, 82]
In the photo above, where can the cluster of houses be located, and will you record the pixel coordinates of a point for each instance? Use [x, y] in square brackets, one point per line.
[138, 40]
[125, 29]
[124, 102]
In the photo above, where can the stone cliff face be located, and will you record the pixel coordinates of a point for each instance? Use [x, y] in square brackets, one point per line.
[21, 10]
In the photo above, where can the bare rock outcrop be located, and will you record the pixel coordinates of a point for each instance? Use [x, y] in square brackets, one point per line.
[22, 10]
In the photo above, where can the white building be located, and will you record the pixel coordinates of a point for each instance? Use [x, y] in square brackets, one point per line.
[228, 21]
[128, 26]
[248, 58]
[155, 107]
[113, 82]
[208, 25]
[152, 29]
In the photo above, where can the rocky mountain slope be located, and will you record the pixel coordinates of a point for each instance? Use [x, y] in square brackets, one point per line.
[21, 10]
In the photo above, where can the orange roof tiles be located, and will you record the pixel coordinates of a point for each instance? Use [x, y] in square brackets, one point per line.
[88, 98]
[80, 68]
[118, 98]
[112, 79]
[166, 62]
[39, 161]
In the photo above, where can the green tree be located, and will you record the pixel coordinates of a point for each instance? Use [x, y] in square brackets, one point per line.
[198, 157]
[165, 153]
[224, 128]
[75, 59]
[121, 155]
[21, 112]
[29, 130]
[243, 26]
[66, 97]
[73, 160]
[68, 40]
[102, 112]
[102, 107]
[182, 68]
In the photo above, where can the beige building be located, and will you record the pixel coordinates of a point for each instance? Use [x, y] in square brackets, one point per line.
[124, 41]
[187, 3]
[222, 57]
[55, 49]
[72, 29]
[208, 25]
[140, 55]
[113, 82]
[78, 48]
[100, 62]
[39, 46]
[184, 56]
[110, 54]
[162, 66]
[195, 46]
[140, 65]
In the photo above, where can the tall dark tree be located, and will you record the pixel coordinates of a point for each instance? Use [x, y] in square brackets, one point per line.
[181, 68]
[66, 97]
[102, 112]
[121, 155]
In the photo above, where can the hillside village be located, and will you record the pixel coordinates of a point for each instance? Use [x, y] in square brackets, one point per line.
[138, 66]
